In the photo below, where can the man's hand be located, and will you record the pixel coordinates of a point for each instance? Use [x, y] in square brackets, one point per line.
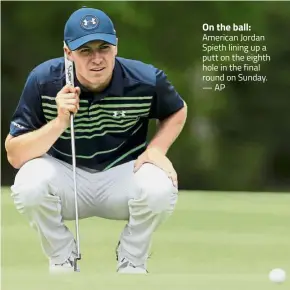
[156, 157]
[67, 101]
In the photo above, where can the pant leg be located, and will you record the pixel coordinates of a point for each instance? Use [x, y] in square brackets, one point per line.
[43, 192]
[154, 203]
[145, 198]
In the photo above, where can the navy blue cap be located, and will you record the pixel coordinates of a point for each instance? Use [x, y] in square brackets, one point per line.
[88, 24]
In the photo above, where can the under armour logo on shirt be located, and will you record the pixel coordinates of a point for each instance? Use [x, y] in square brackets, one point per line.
[119, 114]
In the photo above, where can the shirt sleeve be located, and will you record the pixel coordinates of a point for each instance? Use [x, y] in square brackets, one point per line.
[166, 99]
[28, 115]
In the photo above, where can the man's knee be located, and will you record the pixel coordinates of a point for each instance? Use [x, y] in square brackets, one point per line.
[156, 188]
[32, 183]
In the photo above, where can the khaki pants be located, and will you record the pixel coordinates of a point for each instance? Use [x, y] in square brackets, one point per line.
[43, 191]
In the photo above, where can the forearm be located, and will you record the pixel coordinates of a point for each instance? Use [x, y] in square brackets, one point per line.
[169, 129]
[33, 144]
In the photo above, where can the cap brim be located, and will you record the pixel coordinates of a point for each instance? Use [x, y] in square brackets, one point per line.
[110, 38]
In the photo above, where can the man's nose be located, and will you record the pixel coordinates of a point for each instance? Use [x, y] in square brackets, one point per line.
[97, 57]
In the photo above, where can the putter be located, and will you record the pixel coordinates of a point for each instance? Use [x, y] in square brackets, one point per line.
[69, 77]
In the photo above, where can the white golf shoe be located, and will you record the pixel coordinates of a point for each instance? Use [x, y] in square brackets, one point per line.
[126, 267]
[66, 267]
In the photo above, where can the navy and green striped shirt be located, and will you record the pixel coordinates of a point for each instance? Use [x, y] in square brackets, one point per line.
[110, 127]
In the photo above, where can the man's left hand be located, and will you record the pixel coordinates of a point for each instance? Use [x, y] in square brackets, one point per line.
[156, 157]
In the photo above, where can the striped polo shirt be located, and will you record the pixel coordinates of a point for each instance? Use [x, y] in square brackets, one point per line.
[111, 126]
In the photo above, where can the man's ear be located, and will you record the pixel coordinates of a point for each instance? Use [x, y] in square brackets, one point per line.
[116, 47]
[67, 51]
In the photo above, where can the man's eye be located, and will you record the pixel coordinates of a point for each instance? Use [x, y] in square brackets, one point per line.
[85, 50]
[104, 47]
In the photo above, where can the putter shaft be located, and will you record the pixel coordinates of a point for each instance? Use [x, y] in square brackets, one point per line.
[75, 191]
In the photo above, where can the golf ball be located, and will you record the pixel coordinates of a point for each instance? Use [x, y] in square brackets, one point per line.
[277, 275]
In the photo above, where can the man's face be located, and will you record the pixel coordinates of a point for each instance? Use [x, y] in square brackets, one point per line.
[94, 63]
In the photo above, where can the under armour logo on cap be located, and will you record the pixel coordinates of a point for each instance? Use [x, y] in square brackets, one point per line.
[89, 22]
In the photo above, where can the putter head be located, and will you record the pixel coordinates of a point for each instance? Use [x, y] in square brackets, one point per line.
[76, 268]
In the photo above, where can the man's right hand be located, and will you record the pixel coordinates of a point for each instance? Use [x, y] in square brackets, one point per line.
[67, 101]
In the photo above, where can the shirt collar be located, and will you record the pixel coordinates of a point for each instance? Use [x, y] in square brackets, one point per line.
[115, 88]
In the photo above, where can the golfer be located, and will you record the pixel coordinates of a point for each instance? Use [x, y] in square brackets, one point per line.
[120, 175]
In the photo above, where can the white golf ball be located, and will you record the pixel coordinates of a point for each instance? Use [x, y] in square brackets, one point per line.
[277, 275]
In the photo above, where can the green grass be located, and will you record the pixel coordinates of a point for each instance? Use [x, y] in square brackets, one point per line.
[214, 241]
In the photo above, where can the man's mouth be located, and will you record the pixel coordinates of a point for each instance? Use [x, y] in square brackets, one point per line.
[97, 69]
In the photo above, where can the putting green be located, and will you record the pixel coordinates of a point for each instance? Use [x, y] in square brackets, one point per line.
[214, 241]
